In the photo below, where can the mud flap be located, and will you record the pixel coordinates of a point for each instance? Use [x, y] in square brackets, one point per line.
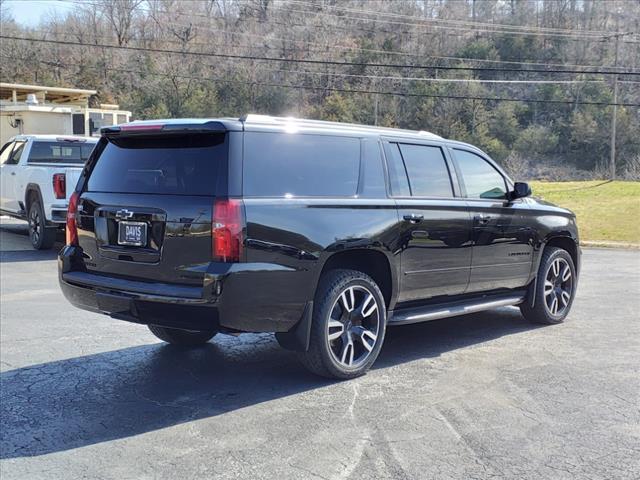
[530, 297]
[297, 339]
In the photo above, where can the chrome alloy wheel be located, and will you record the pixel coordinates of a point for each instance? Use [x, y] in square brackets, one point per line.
[558, 287]
[35, 226]
[354, 326]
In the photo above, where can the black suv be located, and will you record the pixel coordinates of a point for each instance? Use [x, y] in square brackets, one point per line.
[323, 233]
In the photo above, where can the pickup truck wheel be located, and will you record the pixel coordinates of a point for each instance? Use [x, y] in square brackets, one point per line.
[182, 337]
[556, 287]
[41, 236]
[348, 325]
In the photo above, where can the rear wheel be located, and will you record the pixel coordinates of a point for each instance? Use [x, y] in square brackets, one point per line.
[348, 325]
[555, 288]
[41, 236]
[182, 337]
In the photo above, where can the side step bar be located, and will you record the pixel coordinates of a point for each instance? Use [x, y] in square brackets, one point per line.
[444, 310]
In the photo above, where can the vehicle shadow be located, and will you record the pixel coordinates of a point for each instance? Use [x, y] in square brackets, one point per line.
[15, 245]
[12, 256]
[66, 404]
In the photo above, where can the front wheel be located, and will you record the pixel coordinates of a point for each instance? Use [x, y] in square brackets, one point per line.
[348, 326]
[555, 288]
[182, 337]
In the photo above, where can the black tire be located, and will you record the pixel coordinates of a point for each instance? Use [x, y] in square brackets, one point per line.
[42, 237]
[183, 338]
[361, 334]
[546, 290]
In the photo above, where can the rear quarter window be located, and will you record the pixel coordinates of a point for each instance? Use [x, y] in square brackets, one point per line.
[281, 164]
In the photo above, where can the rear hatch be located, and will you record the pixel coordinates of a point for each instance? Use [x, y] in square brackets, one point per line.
[145, 209]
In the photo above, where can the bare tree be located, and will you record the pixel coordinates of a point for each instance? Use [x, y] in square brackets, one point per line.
[120, 14]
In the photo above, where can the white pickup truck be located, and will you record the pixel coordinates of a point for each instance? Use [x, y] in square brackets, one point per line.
[38, 174]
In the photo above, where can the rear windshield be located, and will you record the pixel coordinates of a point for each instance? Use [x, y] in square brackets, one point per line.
[60, 152]
[184, 165]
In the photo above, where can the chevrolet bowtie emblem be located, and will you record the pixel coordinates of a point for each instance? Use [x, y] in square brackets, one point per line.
[124, 214]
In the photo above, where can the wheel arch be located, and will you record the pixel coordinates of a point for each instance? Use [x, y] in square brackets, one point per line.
[373, 262]
[31, 190]
[567, 243]
[563, 241]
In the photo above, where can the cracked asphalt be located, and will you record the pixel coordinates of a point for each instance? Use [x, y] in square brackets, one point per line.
[482, 396]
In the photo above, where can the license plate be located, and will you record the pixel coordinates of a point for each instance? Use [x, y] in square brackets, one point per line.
[132, 233]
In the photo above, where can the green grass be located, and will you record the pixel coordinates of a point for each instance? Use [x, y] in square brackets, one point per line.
[605, 211]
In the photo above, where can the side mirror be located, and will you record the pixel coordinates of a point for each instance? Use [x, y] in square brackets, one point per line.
[520, 189]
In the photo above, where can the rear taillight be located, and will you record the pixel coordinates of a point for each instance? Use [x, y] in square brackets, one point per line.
[60, 185]
[227, 227]
[72, 226]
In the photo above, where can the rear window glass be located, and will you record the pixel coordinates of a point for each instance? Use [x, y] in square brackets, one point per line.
[60, 152]
[278, 165]
[427, 170]
[184, 165]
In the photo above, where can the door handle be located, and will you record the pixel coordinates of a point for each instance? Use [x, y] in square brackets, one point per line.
[419, 234]
[482, 219]
[13, 173]
[413, 218]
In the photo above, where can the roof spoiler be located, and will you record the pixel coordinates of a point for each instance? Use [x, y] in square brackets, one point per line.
[160, 128]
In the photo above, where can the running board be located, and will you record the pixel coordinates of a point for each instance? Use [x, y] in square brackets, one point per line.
[462, 307]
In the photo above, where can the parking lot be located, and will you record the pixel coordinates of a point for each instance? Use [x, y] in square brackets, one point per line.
[487, 395]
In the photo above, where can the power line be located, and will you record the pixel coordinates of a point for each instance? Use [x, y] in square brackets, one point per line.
[349, 29]
[532, 30]
[440, 80]
[447, 23]
[315, 62]
[454, 27]
[572, 37]
[390, 77]
[377, 51]
[348, 49]
[472, 24]
[332, 89]
[427, 79]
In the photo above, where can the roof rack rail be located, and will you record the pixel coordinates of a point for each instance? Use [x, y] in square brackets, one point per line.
[253, 118]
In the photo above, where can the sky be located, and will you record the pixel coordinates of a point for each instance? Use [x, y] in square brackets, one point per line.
[29, 12]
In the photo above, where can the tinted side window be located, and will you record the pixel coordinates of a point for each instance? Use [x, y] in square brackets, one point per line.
[14, 158]
[279, 164]
[398, 181]
[6, 153]
[480, 178]
[427, 171]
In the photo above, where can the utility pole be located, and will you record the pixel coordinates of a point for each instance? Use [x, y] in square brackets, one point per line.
[375, 111]
[614, 116]
[375, 103]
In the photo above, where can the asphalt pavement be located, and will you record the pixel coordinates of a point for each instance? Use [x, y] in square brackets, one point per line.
[482, 396]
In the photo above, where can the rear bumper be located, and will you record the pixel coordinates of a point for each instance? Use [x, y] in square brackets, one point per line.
[57, 212]
[165, 312]
[240, 297]
[58, 216]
